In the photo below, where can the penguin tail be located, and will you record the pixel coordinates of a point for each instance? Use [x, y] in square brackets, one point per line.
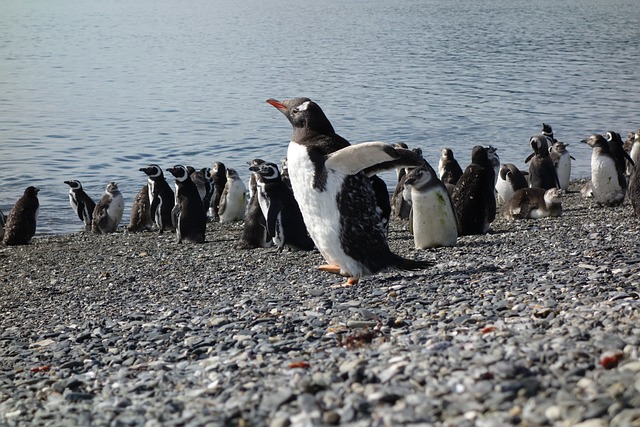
[410, 264]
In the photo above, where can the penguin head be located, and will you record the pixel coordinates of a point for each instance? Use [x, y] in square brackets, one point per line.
[268, 171]
[612, 136]
[255, 162]
[303, 113]
[218, 170]
[31, 191]
[447, 153]
[232, 174]
[553, 196]
[179, 172]
[558, 147]
[480, 157]
[539, 145]
[152, 171]
[547, 130]
[597, 141]
[74, 184]
[420, 177]
[112, 188]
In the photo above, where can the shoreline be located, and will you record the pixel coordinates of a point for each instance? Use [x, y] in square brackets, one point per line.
[534, 323]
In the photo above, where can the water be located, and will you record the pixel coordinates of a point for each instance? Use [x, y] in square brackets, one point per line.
[95, 90]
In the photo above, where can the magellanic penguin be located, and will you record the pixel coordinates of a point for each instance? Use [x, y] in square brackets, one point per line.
[632, 146]
[533, 203]
[219, 178]
[401, 199]
[608, 183]
[494, 159]
[330, 180]
[616, 147]
[474, 195]
[634, 189]
[562, 163]
[449, 169]
[542, 173]
[161, 198]
[284, 220]
[140, 219]
[81, 203]
[20, 226]
[510, 180]
[233, 201]
[189, 219]
[204, 183]
[108, 211]
[254, 229]
[547, 131]
[434, 219]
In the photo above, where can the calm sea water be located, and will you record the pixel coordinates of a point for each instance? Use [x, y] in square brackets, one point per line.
[95, 90]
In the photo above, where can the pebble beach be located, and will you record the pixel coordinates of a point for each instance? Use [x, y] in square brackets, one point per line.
[534, 324]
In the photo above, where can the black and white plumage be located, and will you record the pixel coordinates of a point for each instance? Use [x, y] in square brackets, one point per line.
[547, 131]
[81, 203]
[108, 211]
[608, 182]
[542, 172]
[634, 189]
[533, 203]
[510, 180]
[632, 146]
[219, 177]
[494, 159]
[473, 196]
[401, 198]
[161, 198]
[204, 183]
[233, 201]
[616, 148]
[434, 221]
[449, 169]
[254, 229]
[382, 200]
[20, 225]
[284, 219]
[562, 163]
[140, 219]
[189, 219]
[330, 180]
[3, 220]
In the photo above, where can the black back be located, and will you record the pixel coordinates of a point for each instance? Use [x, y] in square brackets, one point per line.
[20, 226]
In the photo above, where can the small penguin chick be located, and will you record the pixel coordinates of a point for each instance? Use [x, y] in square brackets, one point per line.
[533, 203]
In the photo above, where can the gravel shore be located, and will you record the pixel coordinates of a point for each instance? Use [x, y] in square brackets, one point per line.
[534, 324]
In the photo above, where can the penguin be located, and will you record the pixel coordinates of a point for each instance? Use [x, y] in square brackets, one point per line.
[494, 159]
[632, 146]
[81, 203]
[608, 183]
[434, 219]
[533, 203]
[449, 169]
[561, 160]
[254, 229]
[473, 196]
[547, 131]
[284, 219]
[161, 198]
[542, 173]
[20, 226]
[330, 180]
[634, 189]
[219, 178]
[383, 202]
[401, 199]
[233, 199]
[140, 219]
[189, 219]
[3, 220]
[204, 183]
[285, 173]
[510, 180]
[616, 147]
[586, 191]
[108, 211]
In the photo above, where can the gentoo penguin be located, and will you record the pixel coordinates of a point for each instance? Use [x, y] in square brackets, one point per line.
[20, 226]
[189, 219]
[510, 180]
[108, 211]
[330, 180]
[608, 183]
[254, 229]
[204, 183]
[474, 195]
[533, 203]
[494, 159]
[140, 219]
[616, 147]
[434, 219]
[542, 173]
[562, 163]
[81, 203]
[449, 169]
[3, 220]
[161, 198]
[219, 177]
[233, 201]
[284, 220]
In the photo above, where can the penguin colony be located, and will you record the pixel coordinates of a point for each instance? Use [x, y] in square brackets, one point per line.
[327, 195]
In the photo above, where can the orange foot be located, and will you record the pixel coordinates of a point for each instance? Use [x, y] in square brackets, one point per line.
[330, 268]
[351, 281]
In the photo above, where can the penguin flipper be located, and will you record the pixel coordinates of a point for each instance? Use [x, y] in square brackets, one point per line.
[529, 157]
[355, 158]
[81, 210]
[223, 201]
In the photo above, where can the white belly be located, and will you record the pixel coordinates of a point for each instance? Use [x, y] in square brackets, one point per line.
[504, 190]
[564, 171]
[116, 209]
[434, 221]
[235, 203]
[604, 180]
[319, 209]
